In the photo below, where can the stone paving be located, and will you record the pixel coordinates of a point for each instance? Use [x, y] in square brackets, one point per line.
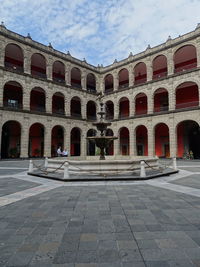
[102, 224]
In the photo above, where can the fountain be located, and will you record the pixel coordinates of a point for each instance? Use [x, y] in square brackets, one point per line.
[102, 141]
[104, 166]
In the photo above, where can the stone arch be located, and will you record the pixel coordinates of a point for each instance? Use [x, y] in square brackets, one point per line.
[159, 65]
[91, 110]
[13, 95]
[75, 141]
[76, 77]
[123, 76]
[57, 139]
[14, 57]
[140, 73]
[75, 107]
[38, 99]
[91, 146]
[11, 139]
[161, 100]
[38, 65]
[161, 137]
[58, 103]
[109, 109]
[91, 82]
[36, 140]
[141, 104]
[185, 57]
[124, 141]
[124, 109]
[141, 134]
[108, 83]
[58, 71]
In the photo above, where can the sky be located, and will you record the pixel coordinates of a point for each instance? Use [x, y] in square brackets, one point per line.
[100, 30]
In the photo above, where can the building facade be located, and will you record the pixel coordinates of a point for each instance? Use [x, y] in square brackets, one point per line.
[49, 99]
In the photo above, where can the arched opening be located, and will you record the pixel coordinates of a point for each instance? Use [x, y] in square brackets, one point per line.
[109, 109]
[14, 58]
[91, 146]
[124, 107]
[162, 140]
[161, 102]
[91, 110]
[185, 58]
[123, 79]
[76, 78]
[58, 104]
[75, 142]
[36, 140]
[140, 72]
[58, 72]
[91, 83]
[12, 95]
[57, 139]
[159, 67]
[75, 107]
[37, 100]
[141, 104]
[10, 140]
[142, 141]
[108, 81]
[110, 148]
[187, 95]
[124, 141]
[38, 66]
[188, 139]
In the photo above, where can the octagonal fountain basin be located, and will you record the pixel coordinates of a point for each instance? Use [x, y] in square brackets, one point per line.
[94, 166]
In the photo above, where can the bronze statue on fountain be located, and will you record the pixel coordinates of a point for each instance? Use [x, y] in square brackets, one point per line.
[102, 141]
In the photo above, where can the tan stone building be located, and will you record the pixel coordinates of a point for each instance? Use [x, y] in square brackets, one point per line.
[48, 99]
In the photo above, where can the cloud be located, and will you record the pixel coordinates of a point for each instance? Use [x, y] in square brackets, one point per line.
[99, 30]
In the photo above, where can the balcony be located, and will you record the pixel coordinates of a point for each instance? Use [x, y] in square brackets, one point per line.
[12, 104]
[14, 67]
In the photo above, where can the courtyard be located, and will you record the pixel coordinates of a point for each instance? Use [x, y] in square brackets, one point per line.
[99, 224]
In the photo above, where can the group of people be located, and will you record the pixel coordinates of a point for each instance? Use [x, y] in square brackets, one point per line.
[61, 153]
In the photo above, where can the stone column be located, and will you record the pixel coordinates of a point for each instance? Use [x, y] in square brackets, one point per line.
[48, 103]
[83, 109]
[149, 70]
[83, 144]
[24, 142]
[170, 62]
[0, 133]
[116, 146]
[68, 74]
[49, 69]
[131, 75]
[132, 107]
[26, 98]
[131, 142]
[116, 110]
[172, 139]
[115, 80]
[101, 84]
[27, 60]
[172, 98]
[2, 52]
[67, 106]
[47, 141]
[150, 103]
[84, 80]
[67, 138]
[151, 140]
[1, 93]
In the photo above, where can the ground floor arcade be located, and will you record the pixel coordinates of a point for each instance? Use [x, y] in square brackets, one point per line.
[164, 136]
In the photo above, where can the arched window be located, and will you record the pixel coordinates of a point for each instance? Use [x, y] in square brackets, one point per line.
[75, 107]
[161, 102]
[187, 95]
[108, 81]
[58, 104]
[109, 109]
[140, 104]
[123, 79]
[140, 72]
[58, 72]
[159, 67]
[37, 100]
[185, 58]
[91, 82]
[91, 147]
[14, 58]
[13, 95]
[91, 110]
[123, 107]
[38, 66]
[76, 78]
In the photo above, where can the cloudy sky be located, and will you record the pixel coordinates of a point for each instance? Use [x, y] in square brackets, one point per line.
[100, 30]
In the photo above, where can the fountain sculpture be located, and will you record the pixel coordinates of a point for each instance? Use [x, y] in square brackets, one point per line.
[102, 141]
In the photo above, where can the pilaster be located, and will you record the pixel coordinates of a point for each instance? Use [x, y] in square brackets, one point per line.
[2, 51]
[170, 62]
[0, 133]
[149, 70]
[150, 103]
[68, 74]
[83, 144]
[24, 142]
[172, 138]
[47, 142]
[131, 75]
[49, 69]
[151, 140]
[84, 80]
[27, 60]
[115, 80]
[116, 110]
